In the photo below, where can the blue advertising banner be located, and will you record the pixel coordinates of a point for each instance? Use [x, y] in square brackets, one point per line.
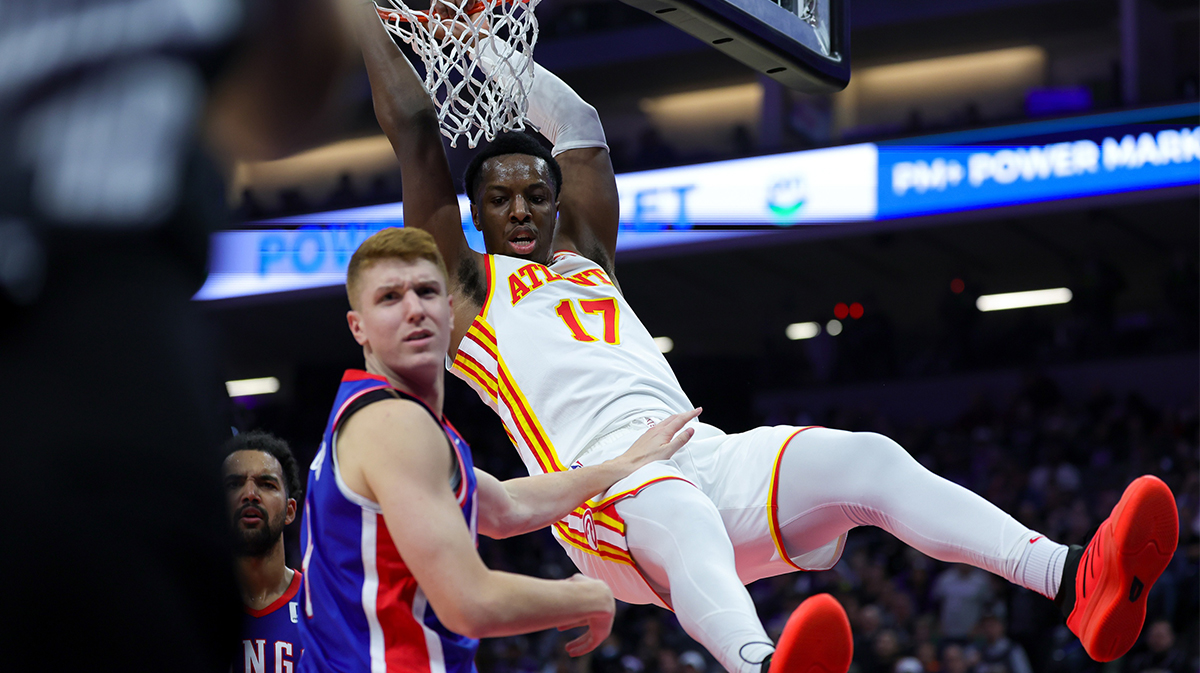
[922, 180]
[1107, 153]
[658, 208]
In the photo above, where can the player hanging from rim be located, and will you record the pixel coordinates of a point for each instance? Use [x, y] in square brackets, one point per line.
[392, 579]
[548, 341]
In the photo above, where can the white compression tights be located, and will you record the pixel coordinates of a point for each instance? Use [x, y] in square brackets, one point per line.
[833, 480]
[677, 537]
[830, 481]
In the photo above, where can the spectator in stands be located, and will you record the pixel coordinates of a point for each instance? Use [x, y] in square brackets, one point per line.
[692, 662]
[998, 654]
[886, 649]
[927, 654]
[607, 657]
[963, 592]
[954, 659]
[1161, 655]
[668, 661]
[344, 195]
[867, 625]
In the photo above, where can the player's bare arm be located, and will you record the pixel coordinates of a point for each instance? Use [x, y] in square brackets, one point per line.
[408, 118]
[588, 205]
[518, 506]
[408, 475]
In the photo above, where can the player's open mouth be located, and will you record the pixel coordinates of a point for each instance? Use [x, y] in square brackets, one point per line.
[251, 515]
[419, 335]
[522, 241]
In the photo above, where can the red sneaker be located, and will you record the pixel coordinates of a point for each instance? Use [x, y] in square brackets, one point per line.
[1105, 585]
[816, 639]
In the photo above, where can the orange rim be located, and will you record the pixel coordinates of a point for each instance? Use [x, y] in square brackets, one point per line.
[472, 8]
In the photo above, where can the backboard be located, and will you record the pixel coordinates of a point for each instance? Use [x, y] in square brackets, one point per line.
[803, 44]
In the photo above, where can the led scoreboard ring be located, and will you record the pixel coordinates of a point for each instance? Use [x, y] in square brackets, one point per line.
[803, 44]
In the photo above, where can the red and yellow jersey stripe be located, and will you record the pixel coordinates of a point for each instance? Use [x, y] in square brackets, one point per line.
[773, 501]
[596, 528]
[524, 424]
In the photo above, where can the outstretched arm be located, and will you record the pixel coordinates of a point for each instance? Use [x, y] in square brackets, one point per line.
[527, 504]
[588, 208]
[408, 118]
[408, 474]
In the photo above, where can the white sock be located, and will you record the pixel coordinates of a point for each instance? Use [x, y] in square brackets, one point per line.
[1041, 567]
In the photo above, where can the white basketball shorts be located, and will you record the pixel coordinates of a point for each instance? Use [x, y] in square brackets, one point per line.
[738, 472]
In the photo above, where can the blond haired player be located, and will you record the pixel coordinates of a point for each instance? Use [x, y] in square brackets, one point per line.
[392, 579]
[547, 339]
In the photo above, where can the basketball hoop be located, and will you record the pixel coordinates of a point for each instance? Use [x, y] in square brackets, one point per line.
[478, 61]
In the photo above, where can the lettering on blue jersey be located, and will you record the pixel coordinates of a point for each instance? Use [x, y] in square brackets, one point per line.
[256, 661]
[316, 464]
[282, 664]
[270, 636]
[255, 658]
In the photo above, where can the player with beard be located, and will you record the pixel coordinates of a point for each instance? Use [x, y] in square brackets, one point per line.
[547, 339]
[262, 484]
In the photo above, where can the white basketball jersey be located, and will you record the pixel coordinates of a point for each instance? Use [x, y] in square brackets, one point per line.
[558, 353]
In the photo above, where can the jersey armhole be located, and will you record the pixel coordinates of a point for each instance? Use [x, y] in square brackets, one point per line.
[379, 395]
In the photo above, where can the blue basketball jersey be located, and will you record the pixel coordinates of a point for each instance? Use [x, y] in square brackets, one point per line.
[271, 636]
[362, 610]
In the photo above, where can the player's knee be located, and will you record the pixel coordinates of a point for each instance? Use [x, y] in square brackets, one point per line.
[879, 453]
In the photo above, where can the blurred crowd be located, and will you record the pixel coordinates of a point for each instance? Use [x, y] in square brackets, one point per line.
[1059, 468]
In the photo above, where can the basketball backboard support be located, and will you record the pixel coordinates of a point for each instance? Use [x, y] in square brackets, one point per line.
[803, 44]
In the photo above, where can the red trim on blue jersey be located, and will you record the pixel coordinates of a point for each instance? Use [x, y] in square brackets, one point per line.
[360, 375]
[337, 419]
[451, 426]
[404, 645]
[288, 594]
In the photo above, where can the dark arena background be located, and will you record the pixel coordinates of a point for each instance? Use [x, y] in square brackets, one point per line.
[831, 259]
[1046, 411]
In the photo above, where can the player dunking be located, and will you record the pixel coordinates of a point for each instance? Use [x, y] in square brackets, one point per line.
[262, 484]
[548, 341]
[392, 579]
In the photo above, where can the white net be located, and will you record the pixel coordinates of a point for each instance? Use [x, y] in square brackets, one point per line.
[478, 61]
